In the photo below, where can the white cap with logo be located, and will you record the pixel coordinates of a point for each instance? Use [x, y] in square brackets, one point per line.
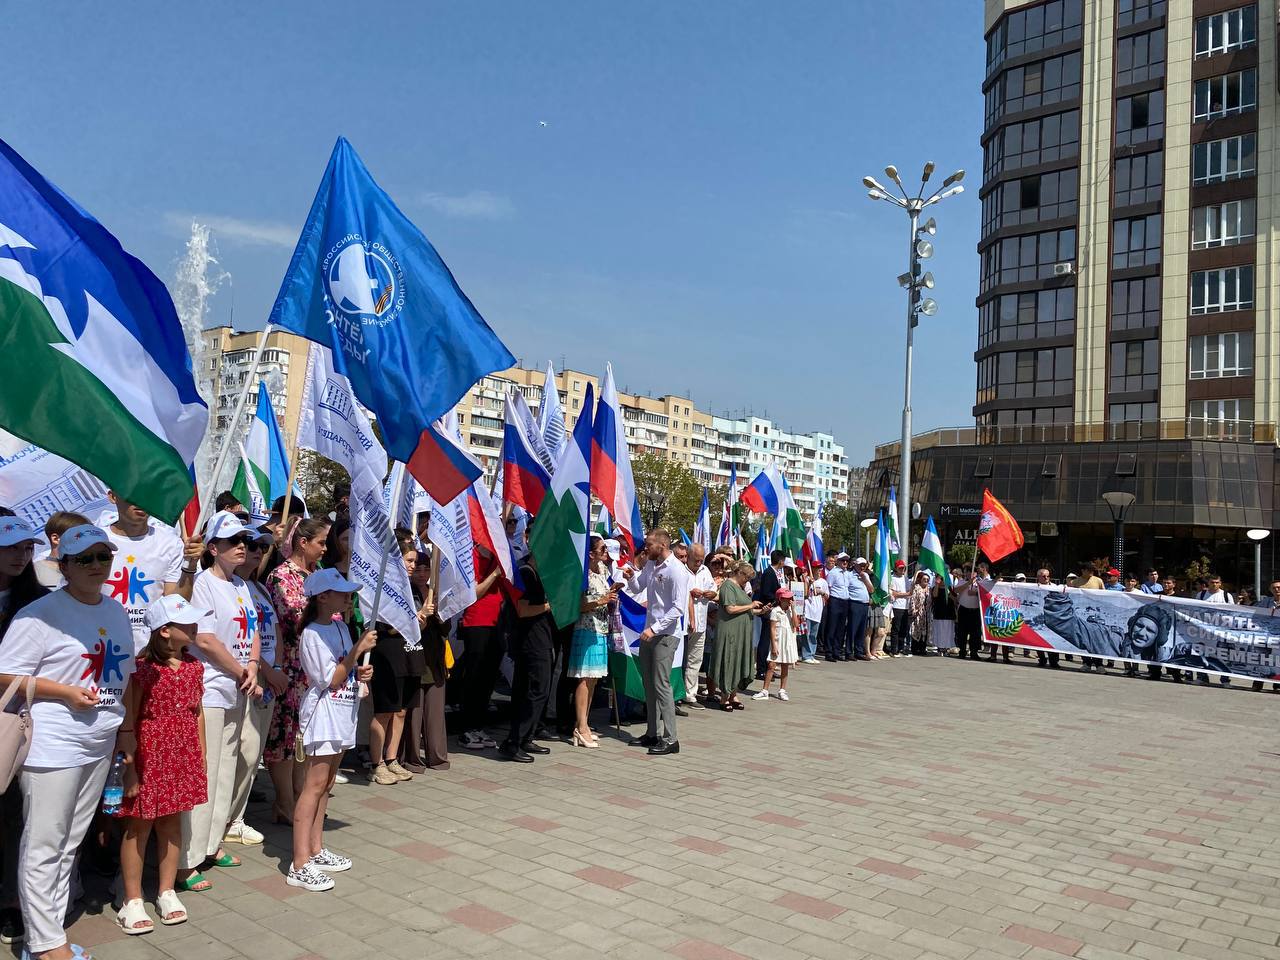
[224, 525]
[171, 609]
[14, 531]
[80, 538]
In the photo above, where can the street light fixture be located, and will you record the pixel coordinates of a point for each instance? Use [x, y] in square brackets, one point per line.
[1257, 536]
[866, 525]
[915, 281]
[1118, 502]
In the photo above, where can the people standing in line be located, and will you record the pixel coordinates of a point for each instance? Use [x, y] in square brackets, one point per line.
[1113, 581]
[532, 656]
[772, 580]
[1088, 579]
[944, 615]
[227, 643]
[47, 572]
[483, 640]
[1152, 584]
[77, 644]
[165, 775]
[1213, 592]
[326, 719]
[702, 590]
[815, 602]
[589, 653]
[257, 710]
[877, 629]
[968, 619]
[1269, 601]
[666, 620]
[721, 565]
[899, 606]
[732, 663]
[920, 609]
[836, 628]
[860, 590]
[308, 542]
[783, 651]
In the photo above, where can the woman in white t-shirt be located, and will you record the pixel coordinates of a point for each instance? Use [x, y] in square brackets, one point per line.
[326, 718]
[227, 642]
[78, 645]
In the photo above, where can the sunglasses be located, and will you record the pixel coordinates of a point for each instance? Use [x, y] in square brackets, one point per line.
[86, 560]
[239, 540]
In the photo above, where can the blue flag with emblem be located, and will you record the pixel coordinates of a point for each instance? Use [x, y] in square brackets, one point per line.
[366, 283]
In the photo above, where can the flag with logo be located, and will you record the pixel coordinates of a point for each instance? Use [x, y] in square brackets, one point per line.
[265, 460]
[559, 539]
[367, 284]
[998, 533]
[93, 362]
[450, 530]
[551, 423]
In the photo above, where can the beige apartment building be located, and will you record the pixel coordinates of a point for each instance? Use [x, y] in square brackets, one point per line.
[1127, 322]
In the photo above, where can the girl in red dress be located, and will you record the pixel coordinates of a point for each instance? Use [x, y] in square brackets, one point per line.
[166, 774]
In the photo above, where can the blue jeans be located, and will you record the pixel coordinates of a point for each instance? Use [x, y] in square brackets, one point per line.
[809, 649]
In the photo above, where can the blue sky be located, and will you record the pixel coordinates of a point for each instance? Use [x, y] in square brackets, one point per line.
[692, 211]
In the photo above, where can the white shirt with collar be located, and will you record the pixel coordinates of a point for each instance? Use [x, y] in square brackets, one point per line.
[668, 597]
[702, 580]
[838, 583]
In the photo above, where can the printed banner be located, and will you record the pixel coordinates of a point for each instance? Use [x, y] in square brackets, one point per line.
[35, 484]
[1137, 627]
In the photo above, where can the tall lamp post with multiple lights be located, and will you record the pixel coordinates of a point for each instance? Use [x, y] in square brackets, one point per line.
[915, 283]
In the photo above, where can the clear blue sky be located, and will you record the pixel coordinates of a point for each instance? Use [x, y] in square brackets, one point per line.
[692, 211]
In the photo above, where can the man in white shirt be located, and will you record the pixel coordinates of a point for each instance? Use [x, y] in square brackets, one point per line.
[1214, 593]
[899, 594]
[836, 628]
[968, 620]
[666, 620]
[702, 590]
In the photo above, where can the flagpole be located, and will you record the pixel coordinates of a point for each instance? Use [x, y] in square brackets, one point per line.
[249, 383]
[294, 452]
[397, 485]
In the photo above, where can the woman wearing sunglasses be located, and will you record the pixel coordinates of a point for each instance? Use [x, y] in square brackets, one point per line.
[78, 645]
[227, 642]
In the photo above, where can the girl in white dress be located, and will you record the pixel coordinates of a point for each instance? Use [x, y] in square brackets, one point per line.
[783, 650]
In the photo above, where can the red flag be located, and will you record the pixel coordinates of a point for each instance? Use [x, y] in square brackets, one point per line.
[998, 533]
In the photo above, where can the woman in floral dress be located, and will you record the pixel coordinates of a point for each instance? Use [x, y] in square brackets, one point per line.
[285, 586]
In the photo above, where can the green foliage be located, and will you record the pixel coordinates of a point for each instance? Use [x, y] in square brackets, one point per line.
[960, 553]
[668, 493]
[840, 529]
[1197, 569]
[316, 478]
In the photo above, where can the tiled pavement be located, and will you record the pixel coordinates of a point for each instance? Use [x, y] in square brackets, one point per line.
[895, 810]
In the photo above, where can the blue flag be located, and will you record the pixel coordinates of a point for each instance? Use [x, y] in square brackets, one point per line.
[366, 283]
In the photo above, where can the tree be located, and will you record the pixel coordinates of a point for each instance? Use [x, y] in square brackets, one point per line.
[668, 493]
[316, 478]
[961, 553]
[840, 529]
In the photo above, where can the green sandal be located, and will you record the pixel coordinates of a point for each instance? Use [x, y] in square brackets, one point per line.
[196, 883]
[227, 860]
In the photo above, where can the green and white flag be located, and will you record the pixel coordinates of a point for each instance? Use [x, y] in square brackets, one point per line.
[931, 557]
[265, 461]
[559, 539]
[895, 545]
[883, 565]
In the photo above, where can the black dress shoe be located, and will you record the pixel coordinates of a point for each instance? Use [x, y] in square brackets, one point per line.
[542, 733]
[645, 741]
[681, 712]
[663, 747]
[531, 747]
[514, 754]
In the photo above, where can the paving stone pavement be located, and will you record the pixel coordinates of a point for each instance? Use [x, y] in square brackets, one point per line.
[899, 810]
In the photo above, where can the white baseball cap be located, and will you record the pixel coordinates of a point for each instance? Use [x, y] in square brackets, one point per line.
[858, 560]
[81, 537]
[14, 531]
[842, 555]
[223, 525]
[171, 609]
[614, 548]
[327, 579]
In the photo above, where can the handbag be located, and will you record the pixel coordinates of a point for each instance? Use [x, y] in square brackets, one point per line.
[16, 730]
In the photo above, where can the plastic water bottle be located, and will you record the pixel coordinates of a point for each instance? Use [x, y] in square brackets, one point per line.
[113, 793]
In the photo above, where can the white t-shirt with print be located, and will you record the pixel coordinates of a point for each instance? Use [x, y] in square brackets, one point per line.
[266, 624]
[140, 568]
[327, 716]
[229, 613]
[82, 644]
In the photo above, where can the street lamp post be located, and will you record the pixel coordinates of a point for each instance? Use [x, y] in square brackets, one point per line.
[1257, 536]
[1118, 503]
[914, 282]
[866, 525]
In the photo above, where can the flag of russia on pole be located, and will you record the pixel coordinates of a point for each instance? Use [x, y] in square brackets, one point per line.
[611, 465]
[524, 479]
[767, 493]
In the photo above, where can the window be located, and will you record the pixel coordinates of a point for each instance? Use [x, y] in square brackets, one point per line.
[1045, 139]
[1221, 355]
[1217, 291]
[1139, 179]
[1140, 57]
[1023, 374]
[1136, 11]
[1218, 418]
[1227, 159]
[1131, 412]
[1030, 200]
[1135, 242]
[1135, 366]
[1230, 30]
[1222, 224]
[1026, 316]
[1034, 85]
[1140, 118]
[1135, 304]
[1030, 257]
[1036, 28]
[1222, 96]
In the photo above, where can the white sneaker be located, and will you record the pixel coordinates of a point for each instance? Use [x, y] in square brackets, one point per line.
[812, 660]
[782, 695]
[478, 740]
[907, 655]
[241, 832]
[311, 879]
[760, 695]
[329, 862]
[341, 778]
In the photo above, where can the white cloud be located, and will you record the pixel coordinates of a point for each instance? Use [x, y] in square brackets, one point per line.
[472, 205]
[262, 233]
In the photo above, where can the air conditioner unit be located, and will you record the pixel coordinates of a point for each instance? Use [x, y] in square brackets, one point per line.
[1064, 269]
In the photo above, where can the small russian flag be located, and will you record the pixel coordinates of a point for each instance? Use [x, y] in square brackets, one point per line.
[442, 467]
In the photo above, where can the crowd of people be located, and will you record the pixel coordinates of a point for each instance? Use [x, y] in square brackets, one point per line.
[174, 669]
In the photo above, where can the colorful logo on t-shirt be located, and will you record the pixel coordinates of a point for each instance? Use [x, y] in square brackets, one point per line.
[106, 660]
[129, 585]
[247, 620]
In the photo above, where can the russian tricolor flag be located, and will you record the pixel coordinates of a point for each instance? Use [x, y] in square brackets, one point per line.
[524, 478]
[487, 528]
[767, 493]
[440, 464]
[611, 465]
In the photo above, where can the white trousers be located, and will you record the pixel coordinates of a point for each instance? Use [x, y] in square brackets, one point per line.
[253, 738]
[694, 641]
[59, 806]
[204, 827]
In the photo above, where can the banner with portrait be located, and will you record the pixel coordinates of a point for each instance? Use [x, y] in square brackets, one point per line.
[1134, 627]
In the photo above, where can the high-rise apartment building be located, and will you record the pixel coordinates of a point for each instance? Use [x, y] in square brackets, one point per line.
[1128, 336]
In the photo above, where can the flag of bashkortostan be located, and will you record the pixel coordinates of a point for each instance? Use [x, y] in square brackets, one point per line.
[895, 544]
[93, 363]
[624, 667]
[559, 539]
[883, 565]
[265, 456]
[931, 557]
